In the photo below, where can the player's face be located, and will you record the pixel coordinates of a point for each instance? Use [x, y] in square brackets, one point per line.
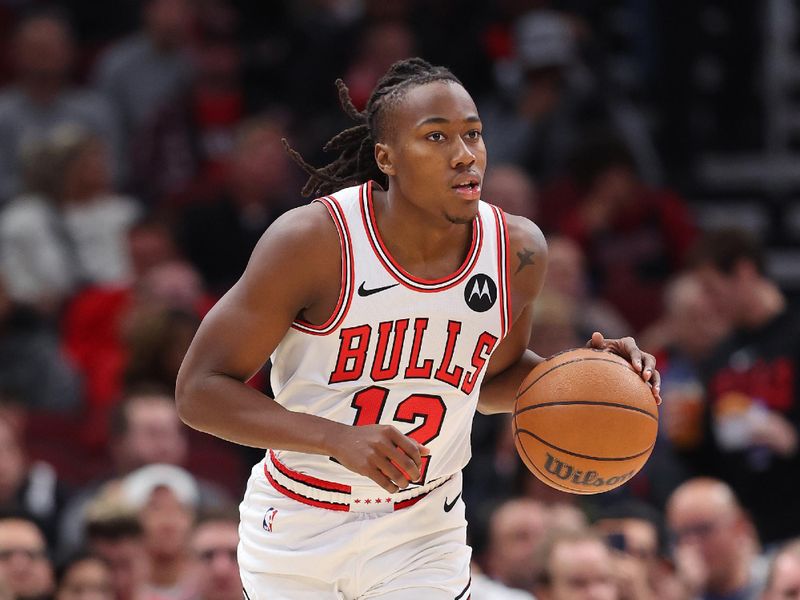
[434, 152]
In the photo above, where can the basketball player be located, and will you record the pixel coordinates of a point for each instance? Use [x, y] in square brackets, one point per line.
[389, 303]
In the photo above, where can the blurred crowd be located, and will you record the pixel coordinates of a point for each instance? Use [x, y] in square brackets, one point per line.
[140, 162]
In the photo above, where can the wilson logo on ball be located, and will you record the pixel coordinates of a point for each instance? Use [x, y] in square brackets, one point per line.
[566, 472]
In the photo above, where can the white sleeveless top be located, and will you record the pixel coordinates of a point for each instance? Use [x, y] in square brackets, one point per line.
[398, 349]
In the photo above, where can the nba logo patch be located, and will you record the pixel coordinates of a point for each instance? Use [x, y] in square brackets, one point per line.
[269, 517]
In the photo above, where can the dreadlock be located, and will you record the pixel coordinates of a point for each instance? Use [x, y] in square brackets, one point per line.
[356, 161]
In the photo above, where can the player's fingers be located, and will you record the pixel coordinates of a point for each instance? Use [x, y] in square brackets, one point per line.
[655, 381]
[632, 352]
[406, 445]
[596, 341]
[648, 366]
[388, 468]
[382, 480]
[403, 462]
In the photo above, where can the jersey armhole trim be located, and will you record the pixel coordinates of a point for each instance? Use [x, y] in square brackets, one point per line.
[347, 282]
[503, 271]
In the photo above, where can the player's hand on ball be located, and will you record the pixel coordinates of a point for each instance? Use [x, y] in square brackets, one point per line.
[626, 347]
[382, 453]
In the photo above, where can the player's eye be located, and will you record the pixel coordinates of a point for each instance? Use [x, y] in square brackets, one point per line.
[474, 134]
[436, 136]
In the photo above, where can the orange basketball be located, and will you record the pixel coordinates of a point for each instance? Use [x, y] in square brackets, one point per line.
[585, 422]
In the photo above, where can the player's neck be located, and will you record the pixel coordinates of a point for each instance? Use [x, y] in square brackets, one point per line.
[414, 238]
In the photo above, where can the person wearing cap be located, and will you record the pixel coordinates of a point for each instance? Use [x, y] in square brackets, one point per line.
[165, 498]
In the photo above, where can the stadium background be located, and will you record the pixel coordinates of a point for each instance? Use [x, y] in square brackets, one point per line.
[140, 160]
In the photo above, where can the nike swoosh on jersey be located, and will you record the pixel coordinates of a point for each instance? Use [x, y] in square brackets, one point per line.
[448, 506]
[364, 292]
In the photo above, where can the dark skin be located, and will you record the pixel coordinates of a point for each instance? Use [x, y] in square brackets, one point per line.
[434, 143]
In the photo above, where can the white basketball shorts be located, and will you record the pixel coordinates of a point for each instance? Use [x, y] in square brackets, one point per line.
[411, 545]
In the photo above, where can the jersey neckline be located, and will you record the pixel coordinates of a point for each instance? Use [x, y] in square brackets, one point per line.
[396, 270]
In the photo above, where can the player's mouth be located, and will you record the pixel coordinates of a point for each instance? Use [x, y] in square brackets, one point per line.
[468, 187]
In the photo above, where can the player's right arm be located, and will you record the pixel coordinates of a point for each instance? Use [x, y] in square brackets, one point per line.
[295, 269]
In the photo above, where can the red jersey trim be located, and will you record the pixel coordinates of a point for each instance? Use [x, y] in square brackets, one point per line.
[304, 499]
[398, 272]
[320, 484]
[503, 271]
[348, 276]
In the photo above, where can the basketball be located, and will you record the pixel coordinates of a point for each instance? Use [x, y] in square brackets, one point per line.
[584, 421]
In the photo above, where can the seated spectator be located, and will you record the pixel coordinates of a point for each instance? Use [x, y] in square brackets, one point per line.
[140, 74]
[70, 228]
[512, 189]
[116, 536]
[634, 237]
[516, 528]
[783, 579]
[213, 543]
[84, 577]
[144, 429]
[41, 99]
[716, 546]
[576, 565]
[218, 233]
[752, 430]
[31, 487]
[33, 369]
[165, 498]
[637, 531]
[25, 566]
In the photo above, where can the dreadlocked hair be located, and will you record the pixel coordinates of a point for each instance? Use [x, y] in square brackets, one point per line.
[356, 145]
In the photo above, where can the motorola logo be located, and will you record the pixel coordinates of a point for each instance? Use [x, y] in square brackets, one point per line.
[480, 293]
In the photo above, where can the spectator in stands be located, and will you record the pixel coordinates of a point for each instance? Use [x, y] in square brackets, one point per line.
[783, 579]
[41, 97]
[576, 565]
[166, 499]
[24, 562]
[139, 75]
[682, 339]
[219, 234]
[144, 429]
[637, 532]
[633, 236]
[516, 528]
[33, 369]
[84, 577]
[31, 487]
[213, 544]
[116, 537]
[512, 189]
[716, 545]
[752, 384]
[70, 228]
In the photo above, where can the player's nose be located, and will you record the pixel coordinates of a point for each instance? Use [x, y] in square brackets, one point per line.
[462, 155]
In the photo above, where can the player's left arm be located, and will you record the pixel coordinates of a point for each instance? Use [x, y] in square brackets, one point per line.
[512, 360]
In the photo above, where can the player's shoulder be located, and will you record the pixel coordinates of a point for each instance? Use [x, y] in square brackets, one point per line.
[302, 227]
[524, 233]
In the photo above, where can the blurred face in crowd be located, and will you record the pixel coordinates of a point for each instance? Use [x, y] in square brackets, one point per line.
[43, 51]
[703, 516]
[784, 583]
[565, 268]
[510, 188]
[166, 522]
[88, 174]
[214, 549]
[640, 536]
[169, 22]
[88, 579]
[515, 530]
[581, 570]
[127, 563]
[12, 462]
[259, 162]
[730, 294]
[24, 565]
[155, 434]
[695, 323]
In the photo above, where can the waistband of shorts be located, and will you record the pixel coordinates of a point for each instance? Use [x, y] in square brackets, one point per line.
[339, 496]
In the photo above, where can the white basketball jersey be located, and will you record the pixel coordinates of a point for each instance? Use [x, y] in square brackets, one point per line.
[398, 349]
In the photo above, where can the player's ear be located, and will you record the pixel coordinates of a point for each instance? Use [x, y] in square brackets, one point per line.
[383, 156]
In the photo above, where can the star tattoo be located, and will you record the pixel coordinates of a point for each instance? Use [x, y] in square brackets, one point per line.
[525, 259]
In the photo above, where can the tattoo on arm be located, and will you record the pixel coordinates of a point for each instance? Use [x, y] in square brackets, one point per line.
[525, 259]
